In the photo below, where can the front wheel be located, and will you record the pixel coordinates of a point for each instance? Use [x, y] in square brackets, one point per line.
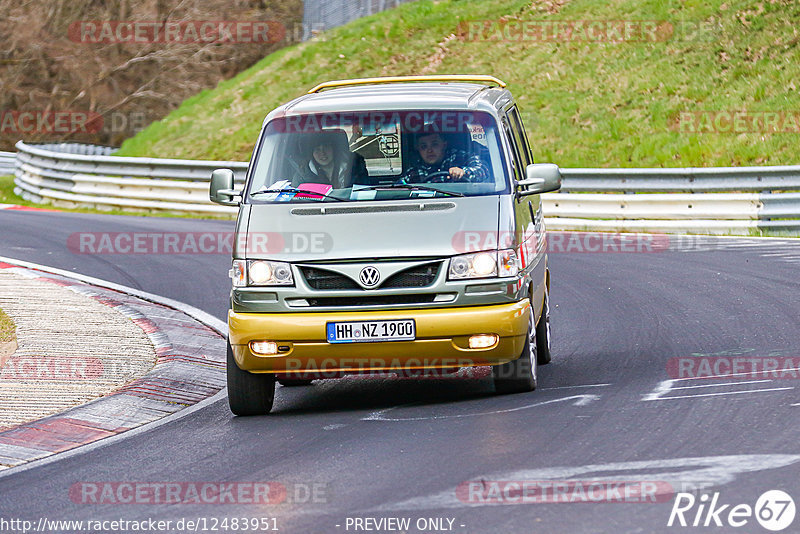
[248, 393]
[519, 376]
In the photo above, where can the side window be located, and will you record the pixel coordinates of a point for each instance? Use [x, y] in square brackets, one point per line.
[518, 160]
[519, 135]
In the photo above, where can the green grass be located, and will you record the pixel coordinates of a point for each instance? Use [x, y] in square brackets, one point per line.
[7, 328]
[586, 104]
[7, 196]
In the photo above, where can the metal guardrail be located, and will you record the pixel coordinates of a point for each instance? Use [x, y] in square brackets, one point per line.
[69, 175]
[687, 179]
[7, 163]
[722, 200]
[717, 200]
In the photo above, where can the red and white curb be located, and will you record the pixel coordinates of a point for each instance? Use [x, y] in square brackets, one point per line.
[190, 369]
[16, 207]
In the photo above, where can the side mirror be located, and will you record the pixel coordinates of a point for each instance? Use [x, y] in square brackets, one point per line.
[539, 178]
[221, 191]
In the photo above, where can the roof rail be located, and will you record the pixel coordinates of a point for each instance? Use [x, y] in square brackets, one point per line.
[400, 79]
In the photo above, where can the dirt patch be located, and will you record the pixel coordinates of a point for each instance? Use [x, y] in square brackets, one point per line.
[436, 59]
[7, 349]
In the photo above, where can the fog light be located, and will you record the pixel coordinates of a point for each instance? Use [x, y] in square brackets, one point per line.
[264, 348]
[483, 341]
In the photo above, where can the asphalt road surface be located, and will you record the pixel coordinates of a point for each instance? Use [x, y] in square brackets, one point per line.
[625, 401]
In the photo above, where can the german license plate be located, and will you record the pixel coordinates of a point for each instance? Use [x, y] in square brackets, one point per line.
[366, 331]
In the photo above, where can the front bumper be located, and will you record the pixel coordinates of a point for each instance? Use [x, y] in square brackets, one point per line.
[441, 342]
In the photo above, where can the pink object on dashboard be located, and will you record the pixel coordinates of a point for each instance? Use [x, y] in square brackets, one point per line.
[322, 189]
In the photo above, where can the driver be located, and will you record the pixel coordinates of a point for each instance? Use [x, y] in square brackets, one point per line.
[436, 157]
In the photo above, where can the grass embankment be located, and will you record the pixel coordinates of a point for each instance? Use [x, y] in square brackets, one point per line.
[587, 102]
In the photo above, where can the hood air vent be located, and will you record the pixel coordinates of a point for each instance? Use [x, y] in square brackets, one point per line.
[343, 210]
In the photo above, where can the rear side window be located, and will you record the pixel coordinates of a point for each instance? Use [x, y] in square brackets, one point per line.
[516, 157]
[518, 132]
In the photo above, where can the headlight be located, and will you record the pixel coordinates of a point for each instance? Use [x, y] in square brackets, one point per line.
[261, 273]
[484, 265]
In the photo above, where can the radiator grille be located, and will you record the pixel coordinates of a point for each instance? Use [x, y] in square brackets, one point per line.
[417, 276]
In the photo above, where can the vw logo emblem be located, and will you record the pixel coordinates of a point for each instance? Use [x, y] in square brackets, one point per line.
[369, 276]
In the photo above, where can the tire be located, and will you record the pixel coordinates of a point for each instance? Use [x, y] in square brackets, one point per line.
[294, 382]
[248, 393]
[520, 375]
[543, 355]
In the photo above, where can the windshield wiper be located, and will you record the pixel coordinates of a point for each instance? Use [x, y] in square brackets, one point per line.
[304, 191]
[409, 187]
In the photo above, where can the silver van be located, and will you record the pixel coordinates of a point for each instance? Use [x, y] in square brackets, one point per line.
[388, 225]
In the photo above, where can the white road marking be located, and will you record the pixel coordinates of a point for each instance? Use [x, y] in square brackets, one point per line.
[779, 255]
[666, 386]
[722, 384]
[722, 393]
[586, 400]
[663, 387]
[781, 249]
[748, 373]
[681, 474]
[580, 400]
[579, 386]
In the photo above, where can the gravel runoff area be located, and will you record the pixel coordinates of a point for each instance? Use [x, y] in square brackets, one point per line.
[96, 360]
[71, 349]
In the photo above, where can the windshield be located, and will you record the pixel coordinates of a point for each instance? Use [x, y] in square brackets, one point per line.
[378, 156]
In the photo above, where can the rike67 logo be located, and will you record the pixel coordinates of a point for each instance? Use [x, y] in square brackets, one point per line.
[774, 510]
